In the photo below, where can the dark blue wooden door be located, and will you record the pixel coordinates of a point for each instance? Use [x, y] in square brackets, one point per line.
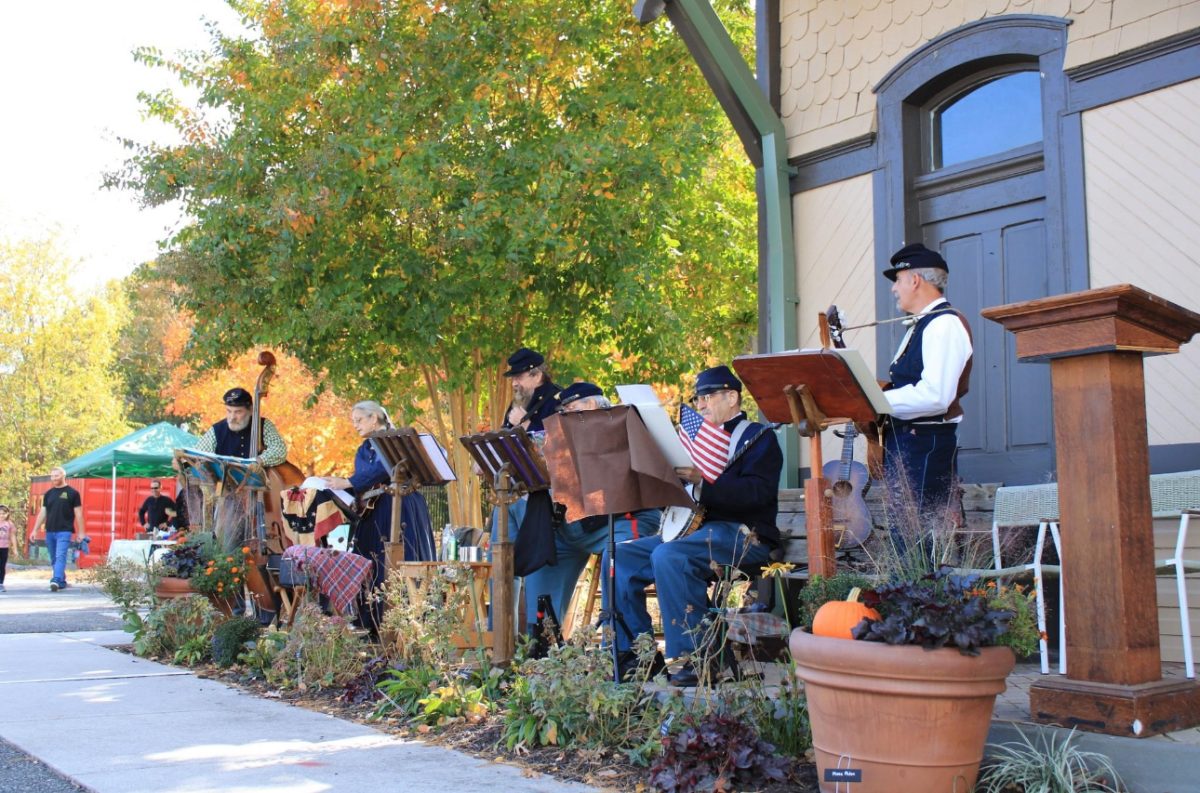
[1000, 256]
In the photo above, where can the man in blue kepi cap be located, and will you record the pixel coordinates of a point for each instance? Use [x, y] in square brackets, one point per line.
[534, 394]
[576, 541]
[740, 508]
[927, 381]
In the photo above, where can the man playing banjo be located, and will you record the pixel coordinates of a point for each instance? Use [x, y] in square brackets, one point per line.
[740, 505]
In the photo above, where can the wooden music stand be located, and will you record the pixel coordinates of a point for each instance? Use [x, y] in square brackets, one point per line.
[813, 389]
[510, 466]
[404, 453]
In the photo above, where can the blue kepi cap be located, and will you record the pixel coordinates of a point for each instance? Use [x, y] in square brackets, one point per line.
[522, 361]
[578, 391]
[718, 378]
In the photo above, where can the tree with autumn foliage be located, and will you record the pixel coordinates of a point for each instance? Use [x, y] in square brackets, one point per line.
[401, 192]
[59, 396]
[317, 430]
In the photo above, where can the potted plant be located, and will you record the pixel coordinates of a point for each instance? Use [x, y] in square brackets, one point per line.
[905, 704]
[200, 565]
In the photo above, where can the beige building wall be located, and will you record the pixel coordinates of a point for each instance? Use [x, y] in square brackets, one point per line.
[835, 265]
[1142, 170]
[834, 52]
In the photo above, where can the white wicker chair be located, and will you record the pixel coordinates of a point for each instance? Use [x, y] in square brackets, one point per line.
[1025, 506]
[1171, 495]
[1174, 495]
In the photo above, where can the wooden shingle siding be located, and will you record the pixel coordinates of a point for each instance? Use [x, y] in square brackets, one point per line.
[834, 53]
[1142, 171]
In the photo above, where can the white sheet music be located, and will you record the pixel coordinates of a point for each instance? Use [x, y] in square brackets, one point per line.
[437, 456]
[661, 428]
[321, 483]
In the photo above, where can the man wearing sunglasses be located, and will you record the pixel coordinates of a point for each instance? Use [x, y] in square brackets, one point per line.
[153, 512]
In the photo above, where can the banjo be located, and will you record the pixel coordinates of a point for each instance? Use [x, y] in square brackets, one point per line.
[681, 521]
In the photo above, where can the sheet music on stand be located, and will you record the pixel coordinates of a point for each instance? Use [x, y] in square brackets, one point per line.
[658, 422]
[420, 458]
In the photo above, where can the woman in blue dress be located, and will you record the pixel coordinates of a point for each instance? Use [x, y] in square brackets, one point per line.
[374, 527]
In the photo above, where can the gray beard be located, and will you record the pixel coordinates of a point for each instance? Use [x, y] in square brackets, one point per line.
[238, 427]
[521, 397]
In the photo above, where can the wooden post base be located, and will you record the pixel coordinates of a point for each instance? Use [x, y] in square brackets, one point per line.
[394, 553]
[1131, 711]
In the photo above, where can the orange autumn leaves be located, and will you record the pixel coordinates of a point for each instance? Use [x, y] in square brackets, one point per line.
[319, 436]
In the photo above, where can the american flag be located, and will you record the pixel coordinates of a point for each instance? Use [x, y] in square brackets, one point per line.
[707, 443]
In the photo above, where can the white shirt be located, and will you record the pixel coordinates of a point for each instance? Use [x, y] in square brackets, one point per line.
[945, 348]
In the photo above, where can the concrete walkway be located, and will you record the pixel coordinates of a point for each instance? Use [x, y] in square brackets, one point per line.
[116, 723]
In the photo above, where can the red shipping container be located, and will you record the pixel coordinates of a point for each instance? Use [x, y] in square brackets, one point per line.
[97, 498]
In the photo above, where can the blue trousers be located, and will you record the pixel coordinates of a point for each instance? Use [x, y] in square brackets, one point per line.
[574, 545]
[58, 544]
[919, 465]
[681, 571]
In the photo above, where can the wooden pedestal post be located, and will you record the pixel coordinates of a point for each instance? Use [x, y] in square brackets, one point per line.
[1095, 341]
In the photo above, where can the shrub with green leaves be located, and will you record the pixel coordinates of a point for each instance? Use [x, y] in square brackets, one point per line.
[130, 586]
[321, 652]
[568, 698]
[230, 638]
[403, 689]
[179, 629]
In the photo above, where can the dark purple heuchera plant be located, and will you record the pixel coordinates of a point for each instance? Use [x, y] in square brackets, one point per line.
[716, 752]
[940, 609]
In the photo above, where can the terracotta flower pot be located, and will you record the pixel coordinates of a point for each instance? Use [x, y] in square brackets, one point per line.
[170, 587]
[911, 720]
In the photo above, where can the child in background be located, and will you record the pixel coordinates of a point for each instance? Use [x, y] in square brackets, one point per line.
[6, 533]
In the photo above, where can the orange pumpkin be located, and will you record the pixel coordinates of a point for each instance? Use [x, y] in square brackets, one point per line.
[837, 617]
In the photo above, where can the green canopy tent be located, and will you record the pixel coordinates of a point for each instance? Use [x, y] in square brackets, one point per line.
[147, 452]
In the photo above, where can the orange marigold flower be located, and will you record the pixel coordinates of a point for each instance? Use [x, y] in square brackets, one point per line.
[233, 569]
[246, 550]
[229, 558]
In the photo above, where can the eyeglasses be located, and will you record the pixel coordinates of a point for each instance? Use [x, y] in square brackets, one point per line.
[700, 399]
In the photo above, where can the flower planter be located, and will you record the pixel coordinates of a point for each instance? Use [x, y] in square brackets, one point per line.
[171, 587]
[910, 720]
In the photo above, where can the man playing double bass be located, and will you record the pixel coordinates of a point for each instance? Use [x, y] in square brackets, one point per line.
[231, 435]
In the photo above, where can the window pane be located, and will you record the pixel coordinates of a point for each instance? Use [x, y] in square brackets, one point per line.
[999, 115]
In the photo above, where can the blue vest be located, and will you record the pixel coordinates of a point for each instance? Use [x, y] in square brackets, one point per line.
[233, 444]
[906, 370]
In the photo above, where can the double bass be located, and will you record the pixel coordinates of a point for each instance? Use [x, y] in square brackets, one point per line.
[267, 514]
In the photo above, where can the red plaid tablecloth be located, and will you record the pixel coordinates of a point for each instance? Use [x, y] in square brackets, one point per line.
[339, 576]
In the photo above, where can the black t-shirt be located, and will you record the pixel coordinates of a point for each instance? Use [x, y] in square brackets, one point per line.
[154, 510]
[60, 503]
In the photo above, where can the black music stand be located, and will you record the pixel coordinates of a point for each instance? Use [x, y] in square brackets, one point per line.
[415, 461]
[604, 462]
[510, 466]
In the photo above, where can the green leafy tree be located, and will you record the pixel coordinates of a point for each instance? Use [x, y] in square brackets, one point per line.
[401, 192]
[142, 359]
[60, 396]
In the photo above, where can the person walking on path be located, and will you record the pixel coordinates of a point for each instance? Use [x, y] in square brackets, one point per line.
[61, 512]
[6, 533]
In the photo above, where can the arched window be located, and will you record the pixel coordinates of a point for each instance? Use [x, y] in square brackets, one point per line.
[991, 114]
